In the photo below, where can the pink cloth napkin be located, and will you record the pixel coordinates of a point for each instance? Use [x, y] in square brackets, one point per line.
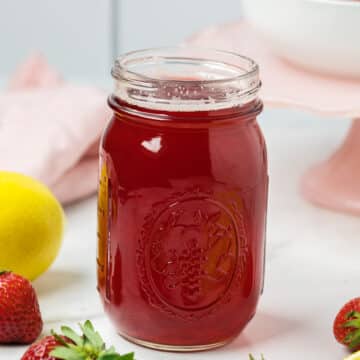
[50, 129]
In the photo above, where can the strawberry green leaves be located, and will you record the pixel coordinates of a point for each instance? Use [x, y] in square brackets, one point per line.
[251, 357]
[92, 337]
[87, 346]
[67, 353]
[115, 356]
[352, 339]
[72, 335]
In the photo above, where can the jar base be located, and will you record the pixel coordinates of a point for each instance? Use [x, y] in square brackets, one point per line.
[175, 348]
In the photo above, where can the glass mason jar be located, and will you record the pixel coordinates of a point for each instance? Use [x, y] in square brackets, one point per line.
[182, 198]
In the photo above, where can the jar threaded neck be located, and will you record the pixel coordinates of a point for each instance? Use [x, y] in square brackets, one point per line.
[185, 79]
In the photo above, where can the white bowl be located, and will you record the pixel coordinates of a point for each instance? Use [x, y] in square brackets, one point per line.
[321, 35]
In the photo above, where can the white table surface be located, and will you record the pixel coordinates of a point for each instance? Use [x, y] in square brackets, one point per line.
[312, 260]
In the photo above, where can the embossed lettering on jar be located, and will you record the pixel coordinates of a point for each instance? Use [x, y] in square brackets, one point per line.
[182, 198]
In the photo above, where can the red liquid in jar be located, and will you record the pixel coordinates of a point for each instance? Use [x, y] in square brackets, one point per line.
[182, 207]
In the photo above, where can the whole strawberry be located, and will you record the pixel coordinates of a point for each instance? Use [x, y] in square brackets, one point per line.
[347, 325]
[72, 346]
[20, 318]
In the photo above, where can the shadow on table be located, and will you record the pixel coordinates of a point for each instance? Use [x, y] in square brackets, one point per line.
[263, 328]
[56, 280]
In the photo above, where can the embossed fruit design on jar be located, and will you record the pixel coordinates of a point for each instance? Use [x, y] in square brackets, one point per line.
[182, 198]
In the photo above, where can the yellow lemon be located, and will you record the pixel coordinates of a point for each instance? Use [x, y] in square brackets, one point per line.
[355, 356]
[31, 225]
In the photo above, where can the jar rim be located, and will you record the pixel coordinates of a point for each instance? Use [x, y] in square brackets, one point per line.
[120, 69]
[144, 77]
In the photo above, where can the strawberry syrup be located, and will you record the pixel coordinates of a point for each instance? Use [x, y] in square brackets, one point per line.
[182, 209]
